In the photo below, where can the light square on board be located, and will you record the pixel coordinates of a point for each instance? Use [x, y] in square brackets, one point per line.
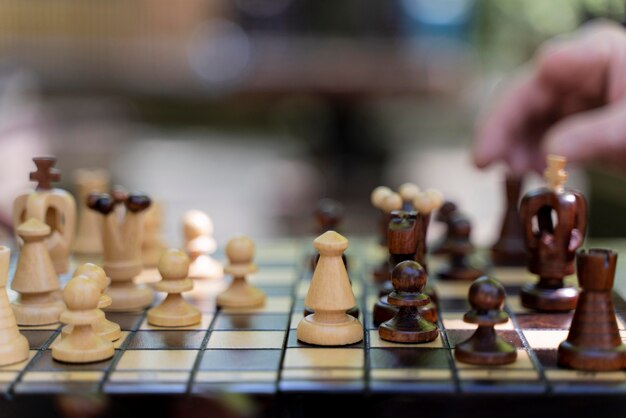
[63, 376]
[236, 376]
[542, 339]
[167, 340]
[246, 339]
[157, 360]
[204, 323]
[240, 360]
[411, 374]
[273, 304]
[454, 320]
[324, 358]
[323, 374]
[149, 376]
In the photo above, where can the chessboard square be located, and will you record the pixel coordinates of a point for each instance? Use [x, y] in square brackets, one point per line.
[397, 358]
[457, 336]
[497, 374]
[63, 376]
[545, 321]
[523, 362]
[204, 323]
[240, 360]
[237, 322]
[454, 320]
[322, 374]
[292, 341]
[235, 376]
[296, 317]
[451, 290]
[157, 360]
[6, 377]
[16, 367]
[147, 376]
[541, 339]
[45, 363]
[570, 376]
[377, 342]
[273, 304]
[246, 339]
[126, 321]
[314, 358]
[38, 339]
[172, 340]
[516, 276]
[411, 374]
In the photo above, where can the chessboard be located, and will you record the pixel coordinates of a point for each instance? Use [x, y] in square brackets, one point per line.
[255, 352]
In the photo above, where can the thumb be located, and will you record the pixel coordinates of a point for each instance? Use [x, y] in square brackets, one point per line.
[598, 134]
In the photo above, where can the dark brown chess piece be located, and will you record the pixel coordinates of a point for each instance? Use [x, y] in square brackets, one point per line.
[485, 346]
[551, 243]
[459, 250]
[408, 326]
[386, 201]
[402, 243]
[445, 214]
[328, 215]
[593, 342]
[510, 250]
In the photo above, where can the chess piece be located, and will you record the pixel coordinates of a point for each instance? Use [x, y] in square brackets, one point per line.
[121, 239]
[152, 246]
[408, 326]
[102, 327]
[199, 245]
[594, 342]
[551, 243]
[510, 250]
[55, 207]
[408, 192]
[446, 213]
[174, 311]
[485, 346]
[35, 279]
[402, 241]
[386, 201]
[328, 215]
[240, 294]
[459, 250]
[88, 237]
[82, 344]
[13, 345]
[330, 296]
[425, 203]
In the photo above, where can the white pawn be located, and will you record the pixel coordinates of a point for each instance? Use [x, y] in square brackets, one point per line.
[103, 327]
[13, 345]
[240, 294]
[174, 311]
[199, 245]
[330, 296]
[82, 344]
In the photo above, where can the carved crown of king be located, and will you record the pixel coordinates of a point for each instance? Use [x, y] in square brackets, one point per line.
[56, 207]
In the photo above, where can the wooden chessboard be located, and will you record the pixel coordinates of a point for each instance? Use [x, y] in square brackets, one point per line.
[256, 351]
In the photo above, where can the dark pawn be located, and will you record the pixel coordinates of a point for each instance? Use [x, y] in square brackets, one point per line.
[460, 248]
[384, 311]
[485, 347]
[408, 326]
[510, 249]
[445, 214]
[328, 215]
[593, 342]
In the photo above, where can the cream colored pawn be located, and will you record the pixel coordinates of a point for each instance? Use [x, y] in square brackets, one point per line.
[103, 327]
[174, 311]
[82, 345]
[200, 244]
[13, 345]
[240, 294]
[330, 296]
[35, 279]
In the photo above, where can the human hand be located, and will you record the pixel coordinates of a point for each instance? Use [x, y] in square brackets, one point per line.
[570, 102]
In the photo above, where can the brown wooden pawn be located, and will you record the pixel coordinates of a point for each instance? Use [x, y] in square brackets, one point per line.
[174, 311]
[459, 249]
[445, 214]
[594, 342]
[103, 327]
[408, 326]
[510, 250]
[485, 346]
[82, 345]
[13, 345]
[240, 294]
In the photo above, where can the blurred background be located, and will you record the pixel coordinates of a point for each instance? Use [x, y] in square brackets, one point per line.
[254, 109]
